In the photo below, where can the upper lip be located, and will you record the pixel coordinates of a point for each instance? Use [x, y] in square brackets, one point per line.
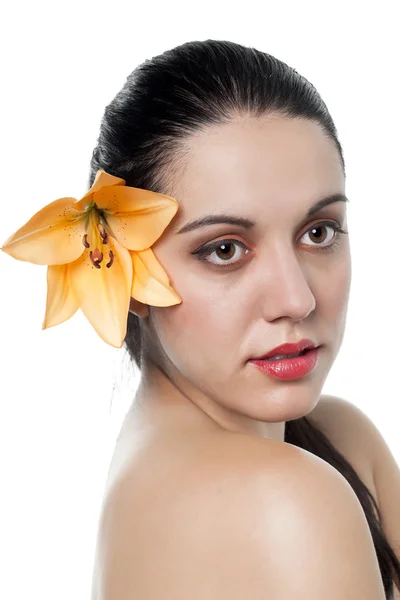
[288, 348]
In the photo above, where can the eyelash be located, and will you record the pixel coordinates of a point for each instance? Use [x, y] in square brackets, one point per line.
[206, 251]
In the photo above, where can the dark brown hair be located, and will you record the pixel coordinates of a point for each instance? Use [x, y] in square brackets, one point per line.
[162, 102]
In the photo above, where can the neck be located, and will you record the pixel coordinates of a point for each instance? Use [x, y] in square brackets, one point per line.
[158, 397]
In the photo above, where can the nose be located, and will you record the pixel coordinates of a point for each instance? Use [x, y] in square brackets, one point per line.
[285, 286]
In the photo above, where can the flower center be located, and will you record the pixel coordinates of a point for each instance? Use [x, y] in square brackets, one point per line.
[96, 238]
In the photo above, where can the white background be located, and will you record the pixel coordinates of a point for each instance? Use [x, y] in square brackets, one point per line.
[64, 391]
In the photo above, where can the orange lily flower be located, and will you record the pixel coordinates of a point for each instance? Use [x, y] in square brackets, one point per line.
[98, 254]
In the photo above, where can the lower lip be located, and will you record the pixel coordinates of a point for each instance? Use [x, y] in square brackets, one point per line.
[289, 368]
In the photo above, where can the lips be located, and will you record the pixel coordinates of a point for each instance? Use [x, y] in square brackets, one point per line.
[281, 356]
[289, 368]
[289, 348]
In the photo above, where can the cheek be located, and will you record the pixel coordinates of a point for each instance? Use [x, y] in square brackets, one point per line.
[202, 323]
[334, 294]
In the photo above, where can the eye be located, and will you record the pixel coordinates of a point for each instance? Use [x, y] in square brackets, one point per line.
[229, 251]
[314, 232]
[225, 250]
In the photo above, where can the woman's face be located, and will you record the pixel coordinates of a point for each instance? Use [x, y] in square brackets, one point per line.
[263, 283]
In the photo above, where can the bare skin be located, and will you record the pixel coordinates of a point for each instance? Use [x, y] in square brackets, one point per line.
[198, 390]
[275, 285]
[163, 478]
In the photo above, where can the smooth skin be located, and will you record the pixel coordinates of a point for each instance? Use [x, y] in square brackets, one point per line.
[239, 514]
[234, 517]
[276, 286]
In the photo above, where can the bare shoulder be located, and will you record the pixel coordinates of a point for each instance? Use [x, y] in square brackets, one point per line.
[311, 538]
[288, 525]
[232, 526]
[357, 436]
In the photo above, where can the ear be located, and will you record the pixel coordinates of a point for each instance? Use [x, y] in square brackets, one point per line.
[138, 308]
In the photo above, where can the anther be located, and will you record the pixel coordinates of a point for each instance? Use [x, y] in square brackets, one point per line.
[111, 259]
[96, 257]
[85, 242]
[103, 233]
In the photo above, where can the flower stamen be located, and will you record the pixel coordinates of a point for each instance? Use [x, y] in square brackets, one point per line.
[96, 257]
[85, 242]
[103, 233]
[111, 259]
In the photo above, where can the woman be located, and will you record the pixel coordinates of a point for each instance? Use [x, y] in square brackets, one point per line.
[203, 498]
[200, 476]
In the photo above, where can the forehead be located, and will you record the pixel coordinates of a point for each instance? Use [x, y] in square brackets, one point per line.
[252, 162]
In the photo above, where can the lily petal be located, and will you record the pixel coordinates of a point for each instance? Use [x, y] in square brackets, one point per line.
[103, 293]
[126, 199]
[53, 236]
[151, 284]
[102, 178]
[61, 303]
[136, 217]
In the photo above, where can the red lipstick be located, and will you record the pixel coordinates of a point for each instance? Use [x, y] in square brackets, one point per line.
[289, 368]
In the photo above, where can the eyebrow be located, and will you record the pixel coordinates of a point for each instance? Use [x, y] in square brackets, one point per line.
[247, 223]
